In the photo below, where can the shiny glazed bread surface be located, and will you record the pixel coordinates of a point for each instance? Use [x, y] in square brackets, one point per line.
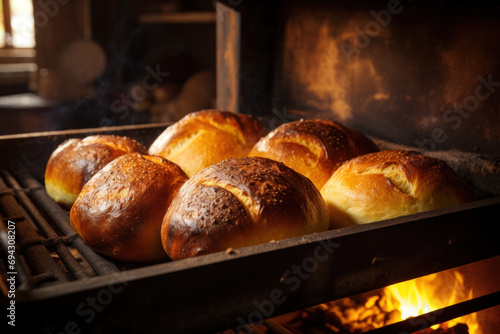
[390, 184]
[119, 212]
[314, 148]
[203, 138]
[75, 161]
[241, 202]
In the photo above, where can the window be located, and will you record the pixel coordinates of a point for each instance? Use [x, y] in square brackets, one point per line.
[17, 29]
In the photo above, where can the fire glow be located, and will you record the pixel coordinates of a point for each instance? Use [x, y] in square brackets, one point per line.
[430, 293]
[395, 303]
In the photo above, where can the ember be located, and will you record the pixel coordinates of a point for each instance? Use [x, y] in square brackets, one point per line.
[430, 293]
[392, 304]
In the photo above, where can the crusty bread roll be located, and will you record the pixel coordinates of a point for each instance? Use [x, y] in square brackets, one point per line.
[314, 148]
[76, 160]
[389, 184]
[203, 138]
[120, 210]
[241, 202]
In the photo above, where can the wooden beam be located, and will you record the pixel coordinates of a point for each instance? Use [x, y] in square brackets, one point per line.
[7, 23]
[228, 57]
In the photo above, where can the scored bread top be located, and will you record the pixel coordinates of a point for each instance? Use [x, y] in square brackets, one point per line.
[241, 202]
[203, 138]
[314, 148]
[390, 184]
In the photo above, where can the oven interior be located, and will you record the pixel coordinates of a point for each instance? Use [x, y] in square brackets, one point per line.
[419, 76]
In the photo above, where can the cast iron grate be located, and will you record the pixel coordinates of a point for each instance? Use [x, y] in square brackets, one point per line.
[48, 250]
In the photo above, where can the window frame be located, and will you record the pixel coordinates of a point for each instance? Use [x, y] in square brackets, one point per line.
[10, 54]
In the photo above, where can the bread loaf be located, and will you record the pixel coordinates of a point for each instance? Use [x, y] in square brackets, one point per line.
[203, 138]
[241, 202]
[76, 160]
[120, 210]
[389, 184]
[314, 148]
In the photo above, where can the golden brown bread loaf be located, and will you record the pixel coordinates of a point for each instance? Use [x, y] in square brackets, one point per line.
[119, 212]
[389, 184]
[203, 138]
[241, 202]
[314, 148]
[76, 160]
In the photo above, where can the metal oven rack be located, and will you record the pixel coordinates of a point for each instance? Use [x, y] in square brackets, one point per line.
[62, 285]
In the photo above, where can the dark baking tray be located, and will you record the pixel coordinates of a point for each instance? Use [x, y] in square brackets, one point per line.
[218, 291]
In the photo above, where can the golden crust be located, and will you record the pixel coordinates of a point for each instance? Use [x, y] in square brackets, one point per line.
[314, 148]
[390, 184]
[241, 202]
[75, 161]
[203, 138]
[119, 212]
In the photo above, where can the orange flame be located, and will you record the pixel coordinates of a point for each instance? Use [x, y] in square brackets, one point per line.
[429, 293]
